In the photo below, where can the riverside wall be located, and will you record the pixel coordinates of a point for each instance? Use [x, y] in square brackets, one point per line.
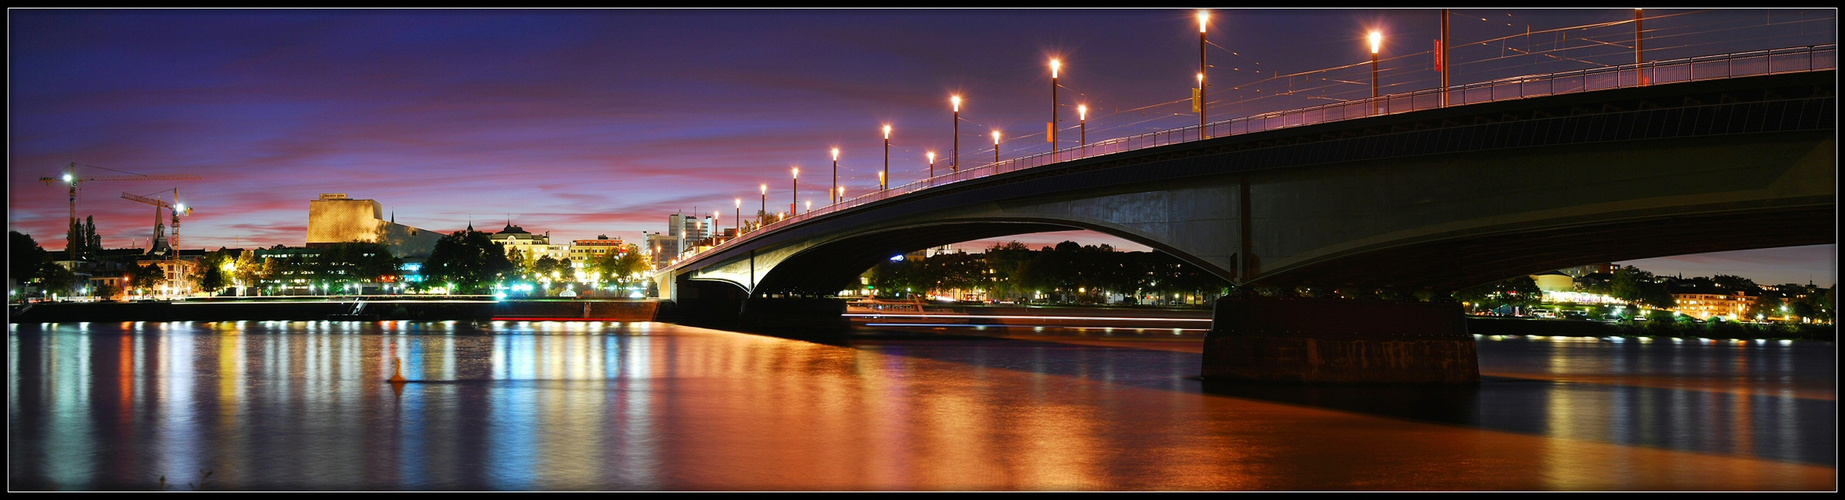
[345, 309]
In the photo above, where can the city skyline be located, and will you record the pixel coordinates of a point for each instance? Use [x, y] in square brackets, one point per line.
[586, 122]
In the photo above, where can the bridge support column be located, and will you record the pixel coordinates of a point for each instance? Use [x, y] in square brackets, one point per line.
[794, 315]
[1337, 341]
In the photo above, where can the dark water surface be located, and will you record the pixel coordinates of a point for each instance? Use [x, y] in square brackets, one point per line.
[653, 406]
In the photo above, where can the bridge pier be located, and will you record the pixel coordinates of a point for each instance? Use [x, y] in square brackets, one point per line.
[1338, 341]
[805, 315]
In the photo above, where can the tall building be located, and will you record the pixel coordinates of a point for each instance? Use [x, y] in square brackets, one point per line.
[335, 219]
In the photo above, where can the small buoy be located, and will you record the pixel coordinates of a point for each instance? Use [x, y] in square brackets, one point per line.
[398, 378]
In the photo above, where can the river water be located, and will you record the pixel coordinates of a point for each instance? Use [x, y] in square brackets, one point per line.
[581, 406]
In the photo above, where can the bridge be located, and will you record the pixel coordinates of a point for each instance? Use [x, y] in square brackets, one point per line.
[1425, 191]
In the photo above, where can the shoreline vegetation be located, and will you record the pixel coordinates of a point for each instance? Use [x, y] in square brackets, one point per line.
[407, 309]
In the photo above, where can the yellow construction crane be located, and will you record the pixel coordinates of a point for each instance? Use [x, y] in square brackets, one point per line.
[72, 178]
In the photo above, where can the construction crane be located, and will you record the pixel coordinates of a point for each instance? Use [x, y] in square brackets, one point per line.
[176, 208]
[72, 178]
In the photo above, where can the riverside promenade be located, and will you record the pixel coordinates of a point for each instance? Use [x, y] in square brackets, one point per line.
[358, 308]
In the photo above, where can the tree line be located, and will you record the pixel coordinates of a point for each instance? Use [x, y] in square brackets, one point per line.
[1067, 273]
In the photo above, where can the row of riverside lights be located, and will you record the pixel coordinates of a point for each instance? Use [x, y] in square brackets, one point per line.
[1199, 104]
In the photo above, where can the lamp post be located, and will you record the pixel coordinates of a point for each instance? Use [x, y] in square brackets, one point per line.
[764, 212]
[1082, 124]
[1377, 39]
[1053, 128]
[1442, 61]
[883, 180]
[739, 222]
[795, 197]
[955, 162]
[1204, 19]
[835, 174]
[931, 164]
[1639, 53]
[996, 146]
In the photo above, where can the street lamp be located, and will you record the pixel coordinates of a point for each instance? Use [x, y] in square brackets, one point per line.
[1053, 128]
[794, 199]
[883, 179]
[1639, 53]
[764, 212]
[1082, 124]
[1377, 40]
[739, 222]
[955, 163]
[931, 164]
[996, 146]
[835, 173]
[1204, 19]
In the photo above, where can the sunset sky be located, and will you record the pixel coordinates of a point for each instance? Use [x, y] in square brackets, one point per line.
[588, 122]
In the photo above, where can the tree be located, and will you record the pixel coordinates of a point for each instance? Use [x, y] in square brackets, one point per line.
[211, 279]
[146, 277]
[545, 267]
[1521, 291]
[55, 278]
[24, 256]
[627, 266]
[468, 260]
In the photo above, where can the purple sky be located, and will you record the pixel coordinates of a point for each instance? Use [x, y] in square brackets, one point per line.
[587, 122]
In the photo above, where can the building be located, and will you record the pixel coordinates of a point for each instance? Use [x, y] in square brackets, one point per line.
[587, 250]
[335, 219]
[1704, 303]
[523, 247]
[663, 247]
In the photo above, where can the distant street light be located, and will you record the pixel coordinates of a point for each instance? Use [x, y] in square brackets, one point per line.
[765, 206]
[1639, 52]
[1204, 19]
[835, 174]
[996, 146]
[1053, 128]
[739, 222]
[883, 180]
[1082, 123]
[931, 164]
[794, 199]
[955, 162]
[1377, 40]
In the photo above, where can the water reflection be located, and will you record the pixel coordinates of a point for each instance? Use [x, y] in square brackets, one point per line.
[523, 405]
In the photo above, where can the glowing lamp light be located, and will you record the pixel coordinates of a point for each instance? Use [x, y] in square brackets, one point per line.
[953, 99]
[1204, 18]
[1377, 40]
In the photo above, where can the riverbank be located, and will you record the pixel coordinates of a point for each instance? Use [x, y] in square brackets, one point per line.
[482, 309]
[344, 308]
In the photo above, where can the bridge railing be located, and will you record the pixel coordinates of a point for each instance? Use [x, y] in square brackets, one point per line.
[1709, 67]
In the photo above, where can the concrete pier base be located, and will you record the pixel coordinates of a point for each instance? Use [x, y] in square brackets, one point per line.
[1338, 341]
[815, 315]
